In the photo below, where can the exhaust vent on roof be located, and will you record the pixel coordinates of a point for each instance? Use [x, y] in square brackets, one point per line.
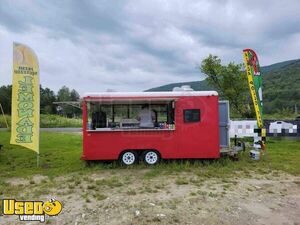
[183, 88]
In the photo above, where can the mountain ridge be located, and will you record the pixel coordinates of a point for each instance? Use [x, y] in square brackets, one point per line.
[281, 86]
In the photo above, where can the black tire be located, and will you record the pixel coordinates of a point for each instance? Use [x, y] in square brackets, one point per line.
[151, 157]
[128, 158]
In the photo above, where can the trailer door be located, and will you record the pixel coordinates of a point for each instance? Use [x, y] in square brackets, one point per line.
[224, 124]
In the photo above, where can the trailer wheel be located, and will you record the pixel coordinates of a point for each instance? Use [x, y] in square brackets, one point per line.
[128, 158]
[151, 157]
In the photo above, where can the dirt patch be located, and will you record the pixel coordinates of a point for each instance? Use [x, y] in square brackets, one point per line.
[37, 179]
[129, 197]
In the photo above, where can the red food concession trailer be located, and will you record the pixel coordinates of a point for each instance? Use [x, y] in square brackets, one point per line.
[185, 126]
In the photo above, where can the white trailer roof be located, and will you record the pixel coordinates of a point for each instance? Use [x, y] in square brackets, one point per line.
[151, 94]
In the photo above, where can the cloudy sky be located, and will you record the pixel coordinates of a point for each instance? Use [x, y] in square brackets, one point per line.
[135, 45]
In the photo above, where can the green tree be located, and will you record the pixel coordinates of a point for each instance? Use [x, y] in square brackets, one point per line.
[75, 97]
[231, 83]
[47, 99]
[5, 98]
[65, 95]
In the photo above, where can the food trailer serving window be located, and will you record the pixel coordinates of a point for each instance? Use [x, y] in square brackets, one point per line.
[123, 114]
[191, 115]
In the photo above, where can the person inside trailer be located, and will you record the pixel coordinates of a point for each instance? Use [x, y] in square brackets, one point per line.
[98, 119]
[146, 117]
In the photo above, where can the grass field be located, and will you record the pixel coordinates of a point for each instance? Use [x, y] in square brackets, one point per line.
[172, 192]
[60, 154]
[48, 121]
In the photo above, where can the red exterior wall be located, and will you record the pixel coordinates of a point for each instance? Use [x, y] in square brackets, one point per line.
[188, 140]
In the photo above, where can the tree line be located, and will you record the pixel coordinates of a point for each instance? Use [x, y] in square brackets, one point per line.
[231, 83]
[47, 97]
[280, 87]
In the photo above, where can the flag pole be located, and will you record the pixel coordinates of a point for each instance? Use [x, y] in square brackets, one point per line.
[4, 116]
[37, 159]
[38, 152]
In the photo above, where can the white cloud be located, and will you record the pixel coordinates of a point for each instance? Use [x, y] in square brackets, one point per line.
[136, 45]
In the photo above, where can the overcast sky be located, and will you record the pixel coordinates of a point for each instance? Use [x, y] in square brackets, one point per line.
[136, 45]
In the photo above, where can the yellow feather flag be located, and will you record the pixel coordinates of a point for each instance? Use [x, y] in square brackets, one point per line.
[25, 118]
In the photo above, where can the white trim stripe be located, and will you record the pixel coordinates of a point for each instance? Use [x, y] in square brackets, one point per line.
[151, 94]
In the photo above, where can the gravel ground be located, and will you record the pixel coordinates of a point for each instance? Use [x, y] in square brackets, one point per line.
[129, 197]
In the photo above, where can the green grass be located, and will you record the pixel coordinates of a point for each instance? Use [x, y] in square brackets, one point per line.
[280, 116]
[110, 182]
[60, 155]
[284, 155]
[59, 121]
[181, 181]
[48, 121]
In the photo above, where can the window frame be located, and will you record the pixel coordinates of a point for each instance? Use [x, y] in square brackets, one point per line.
[192, 111]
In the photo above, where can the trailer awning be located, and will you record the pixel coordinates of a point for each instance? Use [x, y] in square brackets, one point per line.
[111, 101]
